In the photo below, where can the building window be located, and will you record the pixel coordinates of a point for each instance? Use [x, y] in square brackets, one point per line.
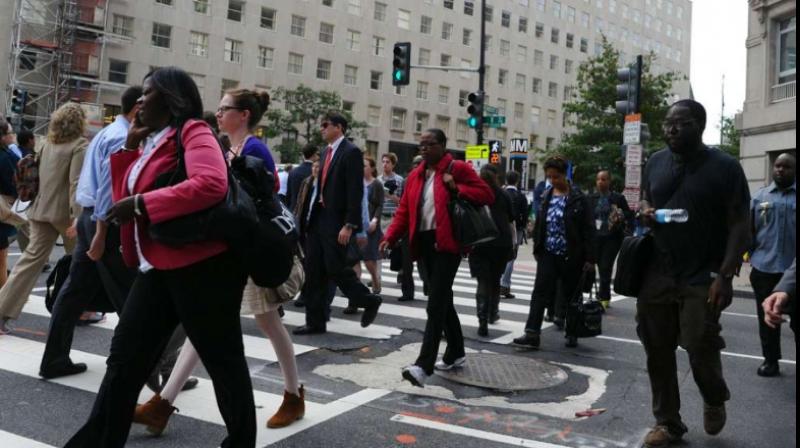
[268, 18]
[404, 19]
[505, 48]
[462, 97]
[445, 60]
[501, 106]
[467, 37]
[201, 6]
[585, 19]
[489, 13]
[520, 81]
[162, 35]
[536, 86]
[570, 14]
[554, 35]
[519, 112]
[398, 119]
[375, 80]
[502, 77]
[353, 40]
[538, 58]
[354, 7]
[469, 7]
[570, 40]
[552, 90]
[536, 113]
[164, 2]
[118, 71]
[522, 53]
[378, 46]
[298, 26]
[380, 12]
[551, 117]
[122, 25]
[420, 121]
[447, 30]
[448, 4]
[323, 69]
[233, 51]
[424, 56]
[235, 10]
[462, 130]
[584, 45]
[567, 67]
[198, 44]
[400, 90]
[426, 25]
[539, 30]
[444, 94]
[350, 75]
[443, 123]
[228, 84]
[372, 149]
[422, 90]
[374, 115]
[295, 64]
[326, 33]
[557, 10]
[266, 57]
[787, 50]
[327, 3]
[505, 19]
[553, 62]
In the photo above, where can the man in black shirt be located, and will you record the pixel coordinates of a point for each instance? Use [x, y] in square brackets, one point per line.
[689, 280]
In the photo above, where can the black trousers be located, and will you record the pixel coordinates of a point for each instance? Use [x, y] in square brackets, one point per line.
[205, 297]
[488, 268]
[86, 279]
[763, 284]
[440, 270]
[553, 273]
[326, 261]
[606, 248]
[406, 274]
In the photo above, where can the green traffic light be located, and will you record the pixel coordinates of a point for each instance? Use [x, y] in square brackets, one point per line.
[398, 75]
[472, 122]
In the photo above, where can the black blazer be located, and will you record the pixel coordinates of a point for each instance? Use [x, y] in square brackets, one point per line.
[343, 190]
[296, 178]
[621, 203]
[579, 220]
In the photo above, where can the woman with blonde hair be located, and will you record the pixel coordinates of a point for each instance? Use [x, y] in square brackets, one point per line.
[53, 211]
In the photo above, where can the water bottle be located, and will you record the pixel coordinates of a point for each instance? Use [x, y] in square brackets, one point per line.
[671, 215]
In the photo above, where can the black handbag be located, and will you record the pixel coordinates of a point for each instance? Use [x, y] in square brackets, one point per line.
[634, 257]
[472, 224]
[584, 317]
[233, 220]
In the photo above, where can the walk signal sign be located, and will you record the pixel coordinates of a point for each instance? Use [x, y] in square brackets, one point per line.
[401, 72]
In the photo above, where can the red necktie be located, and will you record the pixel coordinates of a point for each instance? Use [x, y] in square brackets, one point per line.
[328, 156]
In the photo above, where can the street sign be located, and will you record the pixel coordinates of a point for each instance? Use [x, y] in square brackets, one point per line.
[477, 156]
[495, 152]
[633, 196]
[490, 110]
[494, 121]
[632, 133]
[519, 148]
[633, 155]
[633, 176]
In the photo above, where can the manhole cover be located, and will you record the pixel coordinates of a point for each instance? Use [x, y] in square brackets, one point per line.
[505, 372]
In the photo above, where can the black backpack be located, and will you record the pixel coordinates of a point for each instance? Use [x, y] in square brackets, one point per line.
[633, 259]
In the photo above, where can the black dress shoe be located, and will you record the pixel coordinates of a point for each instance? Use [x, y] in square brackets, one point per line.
[405, 299]
[572, 342]
[769, 369]
[190, 384]
[305, 329]
[371, 311]
[299, 303]
[65, 370]
[350, 310]
[483, 328]
[528, 340]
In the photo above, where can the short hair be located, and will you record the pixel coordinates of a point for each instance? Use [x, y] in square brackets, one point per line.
[24, 136]
[558, 163]
[5, 127]
[309, 150]
[179, 93]
[489, 173]
[254, 101]
[336, 118]
[391, 156]
[129, 98]
[67, 123]
[696, 109]
[439, 136]
[512, 177]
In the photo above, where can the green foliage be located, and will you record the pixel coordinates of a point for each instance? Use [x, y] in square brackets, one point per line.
[597, 143]
[730, 137]
[301, 111]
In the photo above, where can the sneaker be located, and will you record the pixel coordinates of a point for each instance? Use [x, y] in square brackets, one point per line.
[528, 340]
[415, 375]
[714, 418]
[441, 365]
[661, 436]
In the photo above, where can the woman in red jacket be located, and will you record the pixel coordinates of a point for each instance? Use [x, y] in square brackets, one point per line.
[198, 285]
[423, 215]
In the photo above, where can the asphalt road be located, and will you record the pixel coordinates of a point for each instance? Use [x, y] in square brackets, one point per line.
[356, 397]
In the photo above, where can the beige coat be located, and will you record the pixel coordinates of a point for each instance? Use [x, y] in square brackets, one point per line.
[59, 170]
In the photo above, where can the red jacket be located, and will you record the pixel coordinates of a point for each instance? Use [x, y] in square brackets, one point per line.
[207, 185]
[406, 218]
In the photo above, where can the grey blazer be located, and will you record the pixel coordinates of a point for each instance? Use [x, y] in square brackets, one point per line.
[788, 283]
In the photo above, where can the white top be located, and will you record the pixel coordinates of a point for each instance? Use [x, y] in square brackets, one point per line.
[150, 144]
[428, 218]
[283, 179]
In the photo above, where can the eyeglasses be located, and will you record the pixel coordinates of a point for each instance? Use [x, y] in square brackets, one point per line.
[426, 146]
[223, 109]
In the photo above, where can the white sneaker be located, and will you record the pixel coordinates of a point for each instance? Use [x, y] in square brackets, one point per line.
[459, 362]
[415, 375]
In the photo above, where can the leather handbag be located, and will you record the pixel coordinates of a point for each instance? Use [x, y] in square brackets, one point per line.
[472, 224]
[632, 261]
[233, 220]
[289, 289]
[585, 317]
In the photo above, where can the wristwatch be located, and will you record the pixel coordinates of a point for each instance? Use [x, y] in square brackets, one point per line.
[350, 226]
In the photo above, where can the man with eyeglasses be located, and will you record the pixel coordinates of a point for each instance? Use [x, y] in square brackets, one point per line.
[688, 281]
[334, 216]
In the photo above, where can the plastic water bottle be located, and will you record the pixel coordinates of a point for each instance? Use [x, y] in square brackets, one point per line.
[671, 215]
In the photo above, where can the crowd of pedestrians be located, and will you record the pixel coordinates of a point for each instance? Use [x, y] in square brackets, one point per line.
[164, 160]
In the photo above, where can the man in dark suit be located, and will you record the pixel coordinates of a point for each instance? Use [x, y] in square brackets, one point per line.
[334, 217]
[300, 173]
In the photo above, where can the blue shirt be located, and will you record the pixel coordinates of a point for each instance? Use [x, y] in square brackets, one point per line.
[556, 241]
[94, 185]
[15, 149]
[774, 226]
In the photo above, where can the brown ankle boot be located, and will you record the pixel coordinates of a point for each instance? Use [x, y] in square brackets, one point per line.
[154, 414]
[292, 409]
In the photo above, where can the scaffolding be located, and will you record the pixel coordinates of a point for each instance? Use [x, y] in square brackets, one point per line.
[57, 51]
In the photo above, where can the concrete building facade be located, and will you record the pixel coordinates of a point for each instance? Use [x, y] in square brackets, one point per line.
[533, 53]
[768, 122]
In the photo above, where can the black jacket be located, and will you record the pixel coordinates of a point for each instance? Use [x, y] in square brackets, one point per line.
[343, 190]
[519, 207]
[621, 203]
[579, 220]
[296, 178]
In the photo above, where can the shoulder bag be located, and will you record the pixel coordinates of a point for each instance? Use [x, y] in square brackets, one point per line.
[585, 317]
[472, 224]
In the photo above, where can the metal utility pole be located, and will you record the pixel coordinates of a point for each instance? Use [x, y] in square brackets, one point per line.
[482, 68]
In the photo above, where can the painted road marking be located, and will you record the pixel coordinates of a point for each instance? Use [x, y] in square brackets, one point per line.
[9, 440]
[474, 433]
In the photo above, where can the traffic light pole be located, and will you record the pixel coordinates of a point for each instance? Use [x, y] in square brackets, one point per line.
[482, 69]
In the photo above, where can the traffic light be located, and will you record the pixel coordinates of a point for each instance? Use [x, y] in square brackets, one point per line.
[475, 110]
[19, 100]
[401, 74]
[629, 89]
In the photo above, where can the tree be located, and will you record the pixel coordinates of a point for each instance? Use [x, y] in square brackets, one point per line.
[597, 143]
[302, 108]
[730, 137]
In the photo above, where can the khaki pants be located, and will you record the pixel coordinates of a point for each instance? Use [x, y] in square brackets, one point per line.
[43, 237]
